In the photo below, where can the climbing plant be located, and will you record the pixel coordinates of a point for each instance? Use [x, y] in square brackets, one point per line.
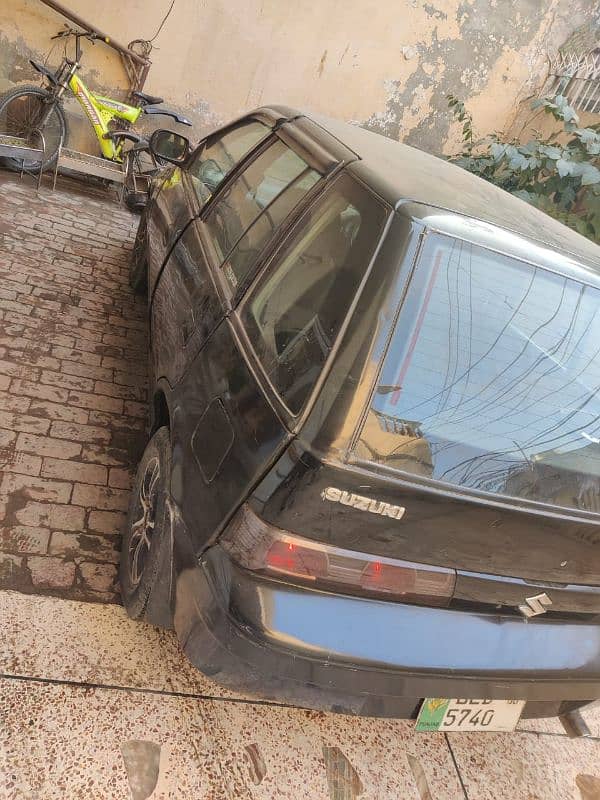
[559, 174]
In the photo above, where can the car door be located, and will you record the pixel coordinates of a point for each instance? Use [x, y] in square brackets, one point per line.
[225, 430]
[185, 190]
[184, 303]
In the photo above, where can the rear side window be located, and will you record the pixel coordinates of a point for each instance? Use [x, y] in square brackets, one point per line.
[246, 215]
[296, 308]
[492, 379]
[214, 160]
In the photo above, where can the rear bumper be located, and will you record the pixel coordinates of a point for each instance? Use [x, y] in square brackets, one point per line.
[369, 657]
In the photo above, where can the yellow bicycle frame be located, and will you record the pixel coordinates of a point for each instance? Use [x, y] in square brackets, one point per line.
[100, 111]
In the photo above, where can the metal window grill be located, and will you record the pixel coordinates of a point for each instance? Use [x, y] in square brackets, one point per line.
[577, 77]
[574, 71]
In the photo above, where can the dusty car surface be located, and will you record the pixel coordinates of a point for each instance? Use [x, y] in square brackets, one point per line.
[374, 468]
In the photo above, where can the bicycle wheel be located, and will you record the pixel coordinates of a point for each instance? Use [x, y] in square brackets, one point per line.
[22, 111]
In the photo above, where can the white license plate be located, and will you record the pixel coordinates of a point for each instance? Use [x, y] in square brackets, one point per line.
[439, 714]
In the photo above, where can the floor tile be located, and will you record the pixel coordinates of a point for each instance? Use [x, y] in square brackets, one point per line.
[527, 766]
[106, 744]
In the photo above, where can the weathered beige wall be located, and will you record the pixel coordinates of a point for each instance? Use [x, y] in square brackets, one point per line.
[387, 65]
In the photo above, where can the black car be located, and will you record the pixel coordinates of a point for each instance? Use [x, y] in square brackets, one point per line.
[373, 475]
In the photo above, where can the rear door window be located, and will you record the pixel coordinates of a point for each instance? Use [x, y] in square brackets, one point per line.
[294, 311]
[245, 216]
[214, 160]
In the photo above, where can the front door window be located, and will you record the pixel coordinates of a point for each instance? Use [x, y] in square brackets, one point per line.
[215, 159]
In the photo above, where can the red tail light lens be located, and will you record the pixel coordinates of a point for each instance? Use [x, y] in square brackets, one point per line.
[263, 548]
[291, 558]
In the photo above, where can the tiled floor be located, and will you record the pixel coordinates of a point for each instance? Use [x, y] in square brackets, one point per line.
[72, 387]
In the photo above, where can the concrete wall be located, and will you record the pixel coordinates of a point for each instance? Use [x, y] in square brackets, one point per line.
[387, 65]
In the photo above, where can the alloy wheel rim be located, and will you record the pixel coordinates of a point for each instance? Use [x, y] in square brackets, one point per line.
[142, 529]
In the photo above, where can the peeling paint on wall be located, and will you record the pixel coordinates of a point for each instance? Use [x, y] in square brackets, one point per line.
[388, 67]
[459, 64]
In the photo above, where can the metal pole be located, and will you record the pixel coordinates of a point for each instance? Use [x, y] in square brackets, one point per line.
[75, 18]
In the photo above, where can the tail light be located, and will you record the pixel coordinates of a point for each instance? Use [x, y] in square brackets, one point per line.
[263, 548]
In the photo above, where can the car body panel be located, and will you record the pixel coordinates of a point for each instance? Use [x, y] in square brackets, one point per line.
[186, 306]
[211, 474]
[173, 206]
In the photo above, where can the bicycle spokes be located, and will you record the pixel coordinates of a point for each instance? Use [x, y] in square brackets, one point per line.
[23, 115]
[32, 114]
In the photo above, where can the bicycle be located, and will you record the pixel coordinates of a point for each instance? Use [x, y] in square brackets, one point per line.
[27, 111]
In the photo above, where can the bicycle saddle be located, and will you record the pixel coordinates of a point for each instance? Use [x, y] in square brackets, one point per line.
[147, 98]
[167, 113]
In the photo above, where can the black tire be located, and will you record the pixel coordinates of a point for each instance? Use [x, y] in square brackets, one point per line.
[20, 108]
[138, 264]
[136, 201]
[142, 545]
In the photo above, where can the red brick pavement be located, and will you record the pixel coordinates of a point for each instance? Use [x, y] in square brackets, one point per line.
[72, 387]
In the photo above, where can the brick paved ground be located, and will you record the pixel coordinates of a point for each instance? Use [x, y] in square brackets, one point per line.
[72, 387]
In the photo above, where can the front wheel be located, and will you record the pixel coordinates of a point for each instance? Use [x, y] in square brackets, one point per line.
[147, 525]
[24, 112]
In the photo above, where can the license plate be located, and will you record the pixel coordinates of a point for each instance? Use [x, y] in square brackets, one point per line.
[439, 714]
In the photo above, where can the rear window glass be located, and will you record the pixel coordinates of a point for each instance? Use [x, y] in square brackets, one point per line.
[492, 379]
[295, 310]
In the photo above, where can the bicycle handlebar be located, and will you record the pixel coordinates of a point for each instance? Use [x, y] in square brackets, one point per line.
[92, 37]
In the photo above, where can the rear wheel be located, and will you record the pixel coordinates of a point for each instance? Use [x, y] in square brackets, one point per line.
[24, 112]
[147, 521]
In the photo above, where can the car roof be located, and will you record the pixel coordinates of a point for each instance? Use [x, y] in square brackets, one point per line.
[404, 175]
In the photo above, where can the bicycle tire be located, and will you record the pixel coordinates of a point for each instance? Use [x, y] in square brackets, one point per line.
[15, 128]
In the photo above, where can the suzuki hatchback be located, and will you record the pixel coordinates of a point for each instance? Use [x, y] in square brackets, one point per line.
[373, 475]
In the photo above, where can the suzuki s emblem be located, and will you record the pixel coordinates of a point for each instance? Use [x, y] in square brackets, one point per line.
[533, 606]
[361, 503]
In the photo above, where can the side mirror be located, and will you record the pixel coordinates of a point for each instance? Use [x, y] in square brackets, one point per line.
[169, 146]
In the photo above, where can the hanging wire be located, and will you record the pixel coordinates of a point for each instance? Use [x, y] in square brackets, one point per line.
[165, 18]
[143, 47]
[50, 51]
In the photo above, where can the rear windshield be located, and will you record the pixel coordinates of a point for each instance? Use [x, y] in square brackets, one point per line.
[491, 379]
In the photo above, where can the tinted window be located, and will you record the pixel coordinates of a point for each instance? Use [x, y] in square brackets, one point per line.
[492, 377]
[249, 246]
[268, 189]
[295, 310]
[219, 155]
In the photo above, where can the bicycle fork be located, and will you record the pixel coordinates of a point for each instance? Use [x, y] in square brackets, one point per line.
[61, 87]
